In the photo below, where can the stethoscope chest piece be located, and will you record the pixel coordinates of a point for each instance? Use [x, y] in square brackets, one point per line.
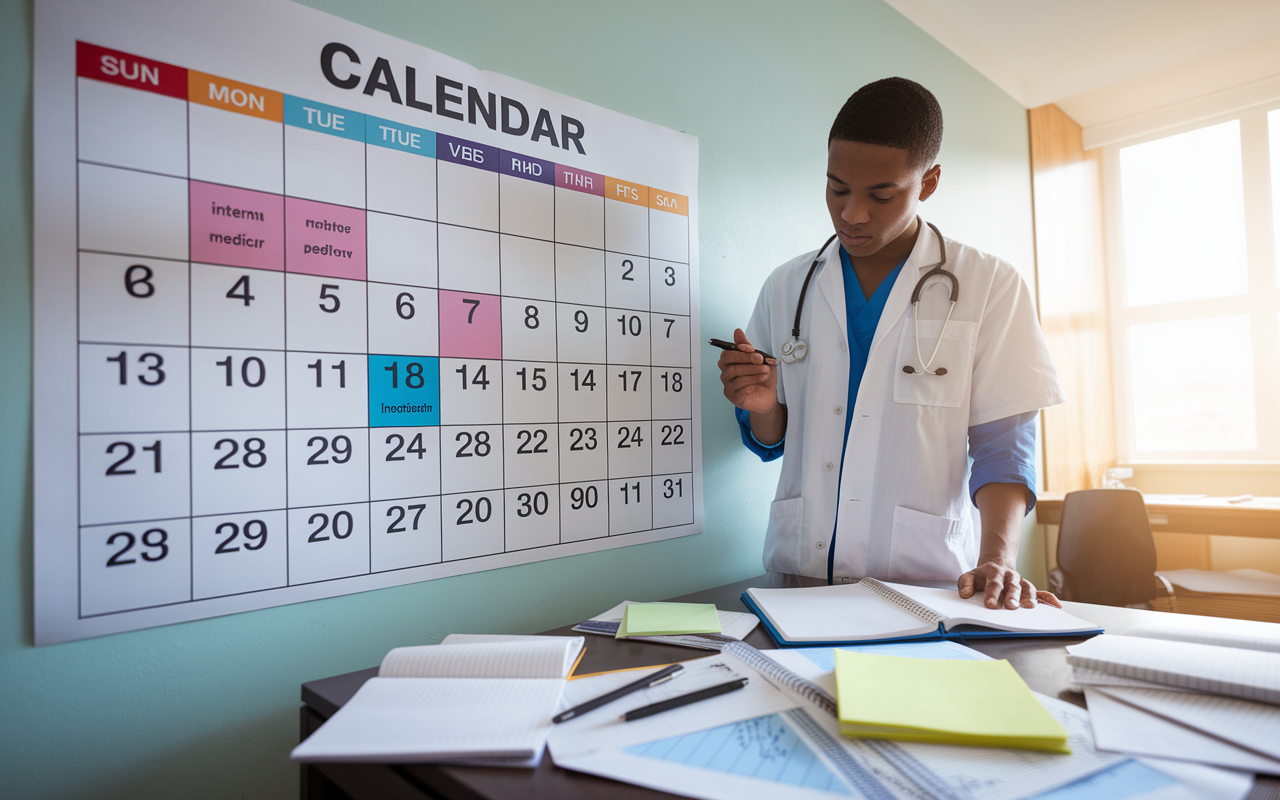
[794, 350]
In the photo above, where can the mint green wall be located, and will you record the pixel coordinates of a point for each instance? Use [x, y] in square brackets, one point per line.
[209, 709]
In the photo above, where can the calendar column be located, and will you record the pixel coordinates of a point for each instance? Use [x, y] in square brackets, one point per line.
[530, 372]
[669, 327]
[238, 459]
[404, 348]
[630, 378]
[134, 403]
[580, 334]
[472, 380]
[326, 342]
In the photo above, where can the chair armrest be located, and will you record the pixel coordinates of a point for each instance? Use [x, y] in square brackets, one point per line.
[1058, 584]
[1162, 581]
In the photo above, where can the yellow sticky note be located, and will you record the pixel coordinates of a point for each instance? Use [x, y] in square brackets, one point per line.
[664, 619]
[979, 703]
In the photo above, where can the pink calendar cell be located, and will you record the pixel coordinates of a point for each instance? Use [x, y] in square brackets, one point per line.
[324, 239]
[470, 325]
[236, 227]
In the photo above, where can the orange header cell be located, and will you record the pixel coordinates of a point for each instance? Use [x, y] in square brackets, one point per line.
[615, 189]
[229, 95]
[669, 201]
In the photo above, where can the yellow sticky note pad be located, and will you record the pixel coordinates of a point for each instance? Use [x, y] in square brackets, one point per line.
[664, 619]
[978, 703]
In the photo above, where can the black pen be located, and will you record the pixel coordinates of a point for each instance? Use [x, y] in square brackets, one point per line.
[685, 699]
[723, 345]
[661, 676]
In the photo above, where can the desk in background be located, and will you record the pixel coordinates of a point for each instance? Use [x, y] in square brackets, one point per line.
[1041, 663]
[1258, 518]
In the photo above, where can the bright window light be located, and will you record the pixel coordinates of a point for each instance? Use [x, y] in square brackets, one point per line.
[1193, 385]
[1273, 127]
[1183, 206]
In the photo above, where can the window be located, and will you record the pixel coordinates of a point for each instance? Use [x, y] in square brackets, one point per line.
[1194, 248]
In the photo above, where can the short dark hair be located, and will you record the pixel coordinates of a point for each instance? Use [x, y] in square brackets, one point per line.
[894, 112]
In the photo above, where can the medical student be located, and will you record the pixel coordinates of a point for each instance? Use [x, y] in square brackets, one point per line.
[888, 374]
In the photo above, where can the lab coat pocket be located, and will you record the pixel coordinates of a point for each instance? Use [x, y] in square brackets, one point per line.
[930, 548]
[784, 537]
[955, 355]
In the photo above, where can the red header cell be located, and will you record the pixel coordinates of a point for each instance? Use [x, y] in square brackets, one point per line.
[126, 69]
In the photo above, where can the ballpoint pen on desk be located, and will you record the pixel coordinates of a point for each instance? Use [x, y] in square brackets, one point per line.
[685, 699]
[653, 679]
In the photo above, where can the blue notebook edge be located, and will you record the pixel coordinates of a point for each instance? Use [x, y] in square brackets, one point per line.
[939, 635]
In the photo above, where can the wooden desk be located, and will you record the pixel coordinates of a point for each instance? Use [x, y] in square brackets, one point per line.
[1257, 519]
[1041, 662]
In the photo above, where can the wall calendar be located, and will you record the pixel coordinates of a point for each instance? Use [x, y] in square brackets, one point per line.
[319, 311]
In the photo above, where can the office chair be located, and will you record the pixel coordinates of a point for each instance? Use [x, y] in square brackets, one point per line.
[1106, 553]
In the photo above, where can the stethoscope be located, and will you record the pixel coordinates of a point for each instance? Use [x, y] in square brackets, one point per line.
[796, 349]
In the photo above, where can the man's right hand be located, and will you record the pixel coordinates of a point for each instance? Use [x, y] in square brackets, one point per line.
[749, 382]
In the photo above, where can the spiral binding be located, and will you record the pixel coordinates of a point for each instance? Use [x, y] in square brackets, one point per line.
[907, 604]
[781, 675]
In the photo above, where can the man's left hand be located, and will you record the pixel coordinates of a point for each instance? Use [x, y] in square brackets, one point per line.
[1002, 586]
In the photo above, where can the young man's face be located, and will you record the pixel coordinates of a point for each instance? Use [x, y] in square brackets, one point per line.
[872, 194]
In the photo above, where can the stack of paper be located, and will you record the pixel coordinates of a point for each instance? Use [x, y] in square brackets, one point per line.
[977, 703]
[1208, 703]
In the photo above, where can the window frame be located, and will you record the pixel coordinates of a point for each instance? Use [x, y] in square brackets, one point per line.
[1261, 303]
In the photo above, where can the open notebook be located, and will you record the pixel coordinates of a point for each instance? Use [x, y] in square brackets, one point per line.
[876, 611]
[472, 699]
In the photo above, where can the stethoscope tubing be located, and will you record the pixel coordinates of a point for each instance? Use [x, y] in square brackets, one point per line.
[789, 349]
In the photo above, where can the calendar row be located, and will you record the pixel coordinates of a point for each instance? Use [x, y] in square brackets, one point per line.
[135, 389]
[126, 478]
[128, 301]
[159, 562]
[274, 144]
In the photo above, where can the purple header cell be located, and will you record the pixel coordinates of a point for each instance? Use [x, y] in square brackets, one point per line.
[579, 180]
[471, 154]
[533, 169]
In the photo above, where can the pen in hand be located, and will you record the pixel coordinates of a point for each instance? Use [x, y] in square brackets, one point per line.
[653, 679]
[723, 345]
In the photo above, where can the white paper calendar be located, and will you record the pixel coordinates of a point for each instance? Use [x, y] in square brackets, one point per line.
[320, 311]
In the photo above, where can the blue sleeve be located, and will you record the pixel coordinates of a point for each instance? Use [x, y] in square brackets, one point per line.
[1004, 451]
[767, 452]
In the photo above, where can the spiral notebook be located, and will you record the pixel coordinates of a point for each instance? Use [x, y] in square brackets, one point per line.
[877, 611]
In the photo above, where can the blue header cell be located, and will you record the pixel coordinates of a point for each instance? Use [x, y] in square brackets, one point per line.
[323, 118]
[406, 138]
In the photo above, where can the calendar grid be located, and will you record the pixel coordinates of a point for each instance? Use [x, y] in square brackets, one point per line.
[326, 396]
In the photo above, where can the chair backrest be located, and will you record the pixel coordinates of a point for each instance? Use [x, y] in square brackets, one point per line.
[1105, 549]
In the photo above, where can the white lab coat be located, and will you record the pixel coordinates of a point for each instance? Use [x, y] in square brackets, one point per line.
[903, 494]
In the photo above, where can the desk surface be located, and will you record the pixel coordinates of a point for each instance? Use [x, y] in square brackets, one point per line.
[1040, 662]
[1258, 518]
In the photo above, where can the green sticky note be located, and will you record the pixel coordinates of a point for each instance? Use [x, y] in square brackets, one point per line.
[664, 619]
[977, 703]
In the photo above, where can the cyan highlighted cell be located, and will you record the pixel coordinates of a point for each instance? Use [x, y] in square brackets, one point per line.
[323, 118]
[403, 390]
[405, 138]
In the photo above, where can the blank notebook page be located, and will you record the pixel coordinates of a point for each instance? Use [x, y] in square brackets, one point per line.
[394, 720]
[948, 603]
[836, 613]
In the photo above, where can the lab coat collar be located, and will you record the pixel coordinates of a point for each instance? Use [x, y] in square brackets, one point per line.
[924, 255]
[830, 280]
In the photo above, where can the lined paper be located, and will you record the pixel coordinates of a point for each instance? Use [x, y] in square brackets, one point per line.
[1255, 726]
[394, 720]
[1246, 674]
[534, 657]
